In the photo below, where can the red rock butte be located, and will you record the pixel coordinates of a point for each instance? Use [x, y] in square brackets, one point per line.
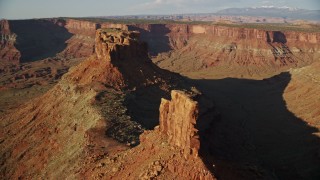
[178, 119]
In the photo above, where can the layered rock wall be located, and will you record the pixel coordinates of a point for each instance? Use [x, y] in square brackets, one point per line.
[81, 27]
[81, 44]
[176, 35]
[219, 45]
[115, 25]
[237, 52]
[252, 34]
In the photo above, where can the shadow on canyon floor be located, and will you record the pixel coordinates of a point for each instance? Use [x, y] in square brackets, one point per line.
[257, 137]
[39, 39]
[143, 105]
[156, 37]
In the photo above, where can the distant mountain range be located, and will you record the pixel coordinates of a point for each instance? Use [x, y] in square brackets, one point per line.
[272, 11]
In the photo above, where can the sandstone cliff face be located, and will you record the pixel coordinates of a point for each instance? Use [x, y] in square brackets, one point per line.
[178, 119]
[8, 53]
[121, 62]
[240, 52]
[183, 119]
[114, 25]
[251, 34]
[40, 39]
[177, 35]
[162, 37]
[168, 152]
[81, 44]
[81, 27]
[101, 68]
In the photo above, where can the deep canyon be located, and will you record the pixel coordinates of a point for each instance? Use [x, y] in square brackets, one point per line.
[167, 101]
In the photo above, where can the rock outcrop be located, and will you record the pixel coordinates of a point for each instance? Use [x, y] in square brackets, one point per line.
[81, 44]
[81, 27]
[108, 41]
[8, 52]
[178, 119]
[121, 61]
[171, 150]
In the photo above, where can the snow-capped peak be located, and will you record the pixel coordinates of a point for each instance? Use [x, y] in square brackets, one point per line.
[274, 7]
[267, 7]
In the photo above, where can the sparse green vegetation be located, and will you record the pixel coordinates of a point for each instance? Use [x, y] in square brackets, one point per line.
[141, 21]
[120, 125]
[275, 27]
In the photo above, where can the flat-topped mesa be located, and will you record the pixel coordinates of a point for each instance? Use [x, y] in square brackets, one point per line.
[81, 27]
[178, 120]
[120, 61]
[115, 44]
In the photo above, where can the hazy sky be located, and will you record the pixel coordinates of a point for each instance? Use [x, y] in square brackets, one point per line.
[24, 9]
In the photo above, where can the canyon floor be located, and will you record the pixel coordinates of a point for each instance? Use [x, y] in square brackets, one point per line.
[96, 113]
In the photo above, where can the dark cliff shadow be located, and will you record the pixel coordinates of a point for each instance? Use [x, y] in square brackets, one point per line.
[156, 38]
[146, 84]
[143, 105]
[39, 39]
[268, 37]
[143, 102]
[257, 137]
[279, 37]
[278, 41]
